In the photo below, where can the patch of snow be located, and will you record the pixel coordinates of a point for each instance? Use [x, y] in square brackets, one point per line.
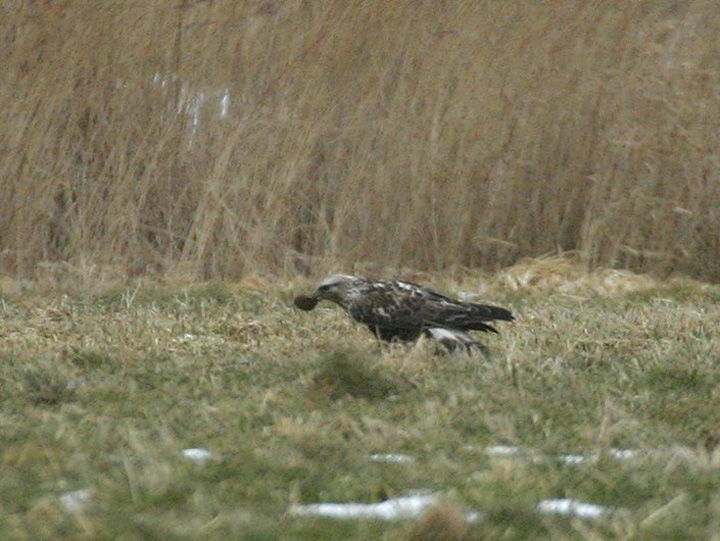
[404, 507]
[617, 454]
[76, 500]
[504, 450]
[513, 452]
[392, 458]
[474, 517]
[568, 506]
[624, 454]
[225, 104]
[198, 455]
[199, 339]
[575, 459]
[522, 453]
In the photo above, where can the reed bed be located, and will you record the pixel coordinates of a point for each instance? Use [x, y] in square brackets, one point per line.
[222, 139]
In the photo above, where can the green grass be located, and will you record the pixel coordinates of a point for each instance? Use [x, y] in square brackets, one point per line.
[103, 389]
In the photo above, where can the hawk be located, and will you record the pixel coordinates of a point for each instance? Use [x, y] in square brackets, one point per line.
[395, 310]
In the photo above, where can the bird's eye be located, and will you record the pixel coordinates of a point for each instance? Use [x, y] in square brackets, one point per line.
[324, 288]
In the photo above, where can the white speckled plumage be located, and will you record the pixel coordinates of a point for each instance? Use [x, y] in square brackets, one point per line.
[400, 310]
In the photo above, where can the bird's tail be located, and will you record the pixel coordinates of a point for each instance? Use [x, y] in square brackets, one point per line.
[469, 316]
[490, 313]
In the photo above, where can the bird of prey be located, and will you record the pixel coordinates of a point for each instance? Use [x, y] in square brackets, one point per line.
[395, 310]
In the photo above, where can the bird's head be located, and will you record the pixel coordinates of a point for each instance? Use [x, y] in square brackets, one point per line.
[332, 289]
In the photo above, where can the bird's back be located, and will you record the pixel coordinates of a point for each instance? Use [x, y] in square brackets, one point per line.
[399, 309]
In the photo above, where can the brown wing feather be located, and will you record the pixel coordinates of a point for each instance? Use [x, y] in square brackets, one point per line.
[387, 308]
[403, 309]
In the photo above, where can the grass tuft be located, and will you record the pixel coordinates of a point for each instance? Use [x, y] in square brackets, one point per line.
[348, 373]
[46, 385]
[91, 359]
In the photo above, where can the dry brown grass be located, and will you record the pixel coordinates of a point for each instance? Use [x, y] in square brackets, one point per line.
[436, 135]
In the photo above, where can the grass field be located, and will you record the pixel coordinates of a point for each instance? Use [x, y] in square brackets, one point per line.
[105, 385]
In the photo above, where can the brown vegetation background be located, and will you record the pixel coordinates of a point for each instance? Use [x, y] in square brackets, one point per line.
[431, 134]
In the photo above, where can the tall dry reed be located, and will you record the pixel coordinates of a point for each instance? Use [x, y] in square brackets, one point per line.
[229, 137]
